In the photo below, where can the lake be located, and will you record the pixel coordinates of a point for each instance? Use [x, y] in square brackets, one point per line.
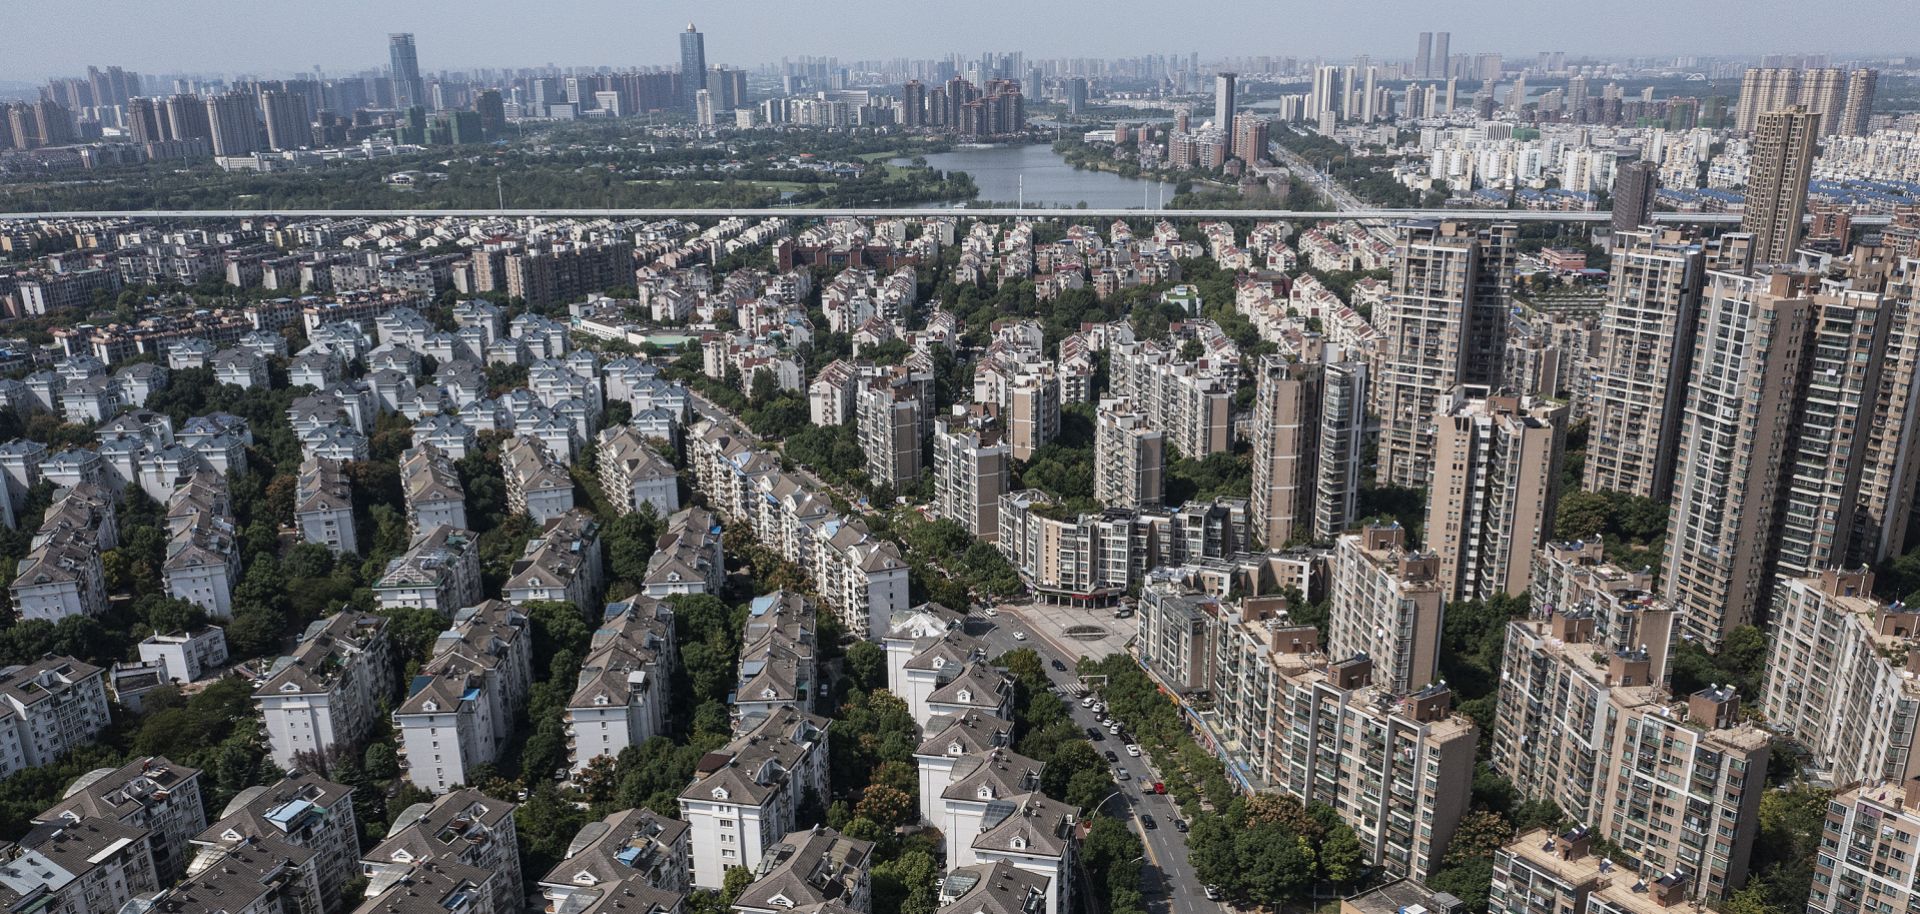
[1050, 182]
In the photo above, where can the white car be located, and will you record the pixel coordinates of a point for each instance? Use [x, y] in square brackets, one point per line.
[991, 612]
[1133, 751]
[1019, 636]
[1113, 727]
[1086, 702]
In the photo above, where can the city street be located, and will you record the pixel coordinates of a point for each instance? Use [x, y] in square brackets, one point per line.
[1168, 882]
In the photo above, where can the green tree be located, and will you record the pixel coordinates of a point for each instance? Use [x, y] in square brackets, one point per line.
[866, 666]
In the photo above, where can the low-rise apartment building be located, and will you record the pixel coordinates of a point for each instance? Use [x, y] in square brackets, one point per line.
[326, 695]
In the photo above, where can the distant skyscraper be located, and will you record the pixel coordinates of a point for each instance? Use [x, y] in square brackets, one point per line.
[1077, 95]
[1423, 59]
[1854, 120]
[1784, 144]
[1633, 188]
[913, 104]
[1223, 86]
[187, 118]
[492, 108]
[288, 124]
[408, 89]
[1441, 66]
[693, 65]
[143, 120]
[235, 122]
[703, 107]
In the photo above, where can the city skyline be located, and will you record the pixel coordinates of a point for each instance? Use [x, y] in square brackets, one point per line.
[199, 36]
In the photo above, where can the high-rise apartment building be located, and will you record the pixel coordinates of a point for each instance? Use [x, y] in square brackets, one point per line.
[1855, 119]
[187, 118]
[1866, 861]
[970, 472]
[1784, 144]
[889, 420]
[1634, 185]
[1838, 685]
[1129, 458]
[145, 121]
[1584, 721]
[1646, 353]
[409, 91]
[1749, 351]
[1386, 603]
[1824, 91]
[1496, 472]
[693, 65]
[1444, 324]
[1223, 101]
[1342, 444]
[288, 124]
[1033, 410]
[1286, 427]
[235, 121]
[1250, 134]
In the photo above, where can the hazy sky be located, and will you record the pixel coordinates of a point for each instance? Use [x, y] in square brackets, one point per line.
[47, 38]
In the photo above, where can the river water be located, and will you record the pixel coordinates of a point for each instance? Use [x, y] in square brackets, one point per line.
[1049, 181]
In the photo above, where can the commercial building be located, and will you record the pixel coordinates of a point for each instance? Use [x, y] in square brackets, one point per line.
[1496, 482]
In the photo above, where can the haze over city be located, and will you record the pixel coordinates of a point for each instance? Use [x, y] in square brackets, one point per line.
[215, 36]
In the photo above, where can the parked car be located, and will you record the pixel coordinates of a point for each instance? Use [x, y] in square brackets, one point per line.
[1086, 701]
[1133, 751]
[1213, 893]
[1019, 636]
[1180, 825]
[991, 612]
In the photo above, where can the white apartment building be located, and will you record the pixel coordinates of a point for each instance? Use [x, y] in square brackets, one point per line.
[327, 693]
[624, 684]
[743, 797]
[459, 710]
[47, 709]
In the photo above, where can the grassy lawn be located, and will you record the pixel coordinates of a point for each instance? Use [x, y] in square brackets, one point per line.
[877, 156]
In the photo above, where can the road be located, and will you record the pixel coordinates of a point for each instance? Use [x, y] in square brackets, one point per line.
[1167, 880]
[1342, 198]
[707, 409]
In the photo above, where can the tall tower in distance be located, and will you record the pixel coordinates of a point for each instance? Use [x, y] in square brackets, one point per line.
[1633, 188]
[1223, 86]
[693, 64]
[408, 90]
[1423, 59]
[1784, 143]
[1859, 105]
[1441, 66]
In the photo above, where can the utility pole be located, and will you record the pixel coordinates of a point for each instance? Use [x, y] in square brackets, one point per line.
[500, 191]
